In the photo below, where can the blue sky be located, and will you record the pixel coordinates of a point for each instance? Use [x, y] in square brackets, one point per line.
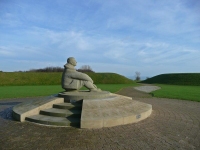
[121, 36]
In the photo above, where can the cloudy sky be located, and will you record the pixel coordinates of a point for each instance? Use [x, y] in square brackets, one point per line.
[121, 36]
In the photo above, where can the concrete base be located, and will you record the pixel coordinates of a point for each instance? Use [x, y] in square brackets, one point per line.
[109, 112]
[83, 94]
[83, 109]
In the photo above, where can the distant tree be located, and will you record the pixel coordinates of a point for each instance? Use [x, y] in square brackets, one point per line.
[19, 71]
[137, 76]
[85, 68]
[48, 69]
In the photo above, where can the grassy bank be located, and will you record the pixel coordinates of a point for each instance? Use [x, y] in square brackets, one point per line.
[28, 91]
[178, 92]
[54, 78]
[109, 78]
[45, 90]
[192, 79]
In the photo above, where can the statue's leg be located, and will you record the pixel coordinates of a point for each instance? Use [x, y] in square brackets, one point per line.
[90, 86]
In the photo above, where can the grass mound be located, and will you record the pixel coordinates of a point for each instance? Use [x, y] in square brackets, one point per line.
[175, 79]
[109, 78]
[54, 78]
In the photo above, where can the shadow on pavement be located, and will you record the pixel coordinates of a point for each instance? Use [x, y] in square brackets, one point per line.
[10, 103]
[7, 112]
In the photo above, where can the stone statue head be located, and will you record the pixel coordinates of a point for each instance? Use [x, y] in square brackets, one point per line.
[72, 61]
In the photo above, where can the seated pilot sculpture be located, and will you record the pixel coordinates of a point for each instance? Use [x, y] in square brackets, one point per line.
[73, 80]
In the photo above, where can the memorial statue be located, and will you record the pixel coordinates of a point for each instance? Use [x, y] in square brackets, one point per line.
[73, 80]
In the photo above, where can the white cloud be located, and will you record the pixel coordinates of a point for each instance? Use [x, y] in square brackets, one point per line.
[142, 53]
[190, 50]
[127, 35]
[63, 39]
[4, 51]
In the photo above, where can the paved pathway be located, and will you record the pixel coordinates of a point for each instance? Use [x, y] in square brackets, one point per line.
[147, 88]
[174, 124]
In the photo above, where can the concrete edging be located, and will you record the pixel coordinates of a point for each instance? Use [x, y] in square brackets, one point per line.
[33, 107]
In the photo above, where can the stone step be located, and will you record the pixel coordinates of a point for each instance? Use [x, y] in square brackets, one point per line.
[57, 121]
[70, 106]
[61, 112]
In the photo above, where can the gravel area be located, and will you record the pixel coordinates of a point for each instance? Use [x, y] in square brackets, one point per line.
[147, 88]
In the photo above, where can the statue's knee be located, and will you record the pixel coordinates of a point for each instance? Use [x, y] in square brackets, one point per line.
[87, 82]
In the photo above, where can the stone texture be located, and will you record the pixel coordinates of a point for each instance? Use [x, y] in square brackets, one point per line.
[113, 111]
[55, 121]
[33, 107]
[60, 112]
[83, 94]
[73, 80]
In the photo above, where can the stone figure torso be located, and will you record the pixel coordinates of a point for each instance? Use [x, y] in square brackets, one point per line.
[74, 80]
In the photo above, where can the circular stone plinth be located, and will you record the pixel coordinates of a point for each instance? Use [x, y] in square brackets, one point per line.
[110, 112]
[84, 94]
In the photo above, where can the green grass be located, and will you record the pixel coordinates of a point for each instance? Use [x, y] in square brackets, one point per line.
[113, 87]
[166, 91]
[178, 92]
[29, 78]
[109, 78]
[175, 79]
[45, 90]
[28, 91]
[54, 78]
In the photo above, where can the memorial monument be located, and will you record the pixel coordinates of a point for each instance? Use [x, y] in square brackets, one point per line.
[92, 108]
[74, 80]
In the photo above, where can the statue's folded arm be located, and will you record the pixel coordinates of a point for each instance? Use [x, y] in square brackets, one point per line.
[80, 76]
